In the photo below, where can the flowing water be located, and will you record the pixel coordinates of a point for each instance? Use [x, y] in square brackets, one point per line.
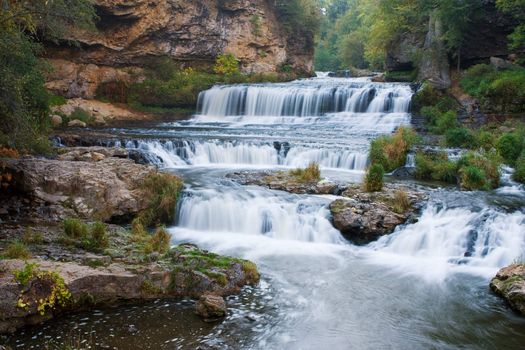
[423, 287]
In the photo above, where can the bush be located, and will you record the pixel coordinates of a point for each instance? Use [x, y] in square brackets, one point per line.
[160, 192]
[460, 137]
[17, 250]
[160, 241]
[445, 121]
[311, 173]
[401, 202]
[509, 147]
[391, 151]
[80, 114]
[484, 139]
[75, 228]
[99, 237]
[473, 178]
[498, 91]
[24, 276]
[226, 64]
[374, 178]
[435, 166]
[488, 174]
[519, 172]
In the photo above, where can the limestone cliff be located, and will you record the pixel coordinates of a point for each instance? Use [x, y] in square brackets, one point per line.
[192, 32]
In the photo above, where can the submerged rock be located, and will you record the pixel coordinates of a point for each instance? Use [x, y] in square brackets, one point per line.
[509, 284]
[211, 307]
[363, 217]
[184, 271]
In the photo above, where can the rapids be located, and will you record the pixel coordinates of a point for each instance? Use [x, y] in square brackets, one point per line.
[423, 287]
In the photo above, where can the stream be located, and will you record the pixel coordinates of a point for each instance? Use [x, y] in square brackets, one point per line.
[423, 287]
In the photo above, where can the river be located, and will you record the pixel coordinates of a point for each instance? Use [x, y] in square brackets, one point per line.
[423, 287]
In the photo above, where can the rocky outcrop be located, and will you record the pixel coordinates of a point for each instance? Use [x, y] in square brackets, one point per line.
[363, 217]
[509, 283]
[193, 33]
[283, 181]
[94, 183]
[185, 271]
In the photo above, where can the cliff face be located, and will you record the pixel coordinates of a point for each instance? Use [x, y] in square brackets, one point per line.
[192, 32]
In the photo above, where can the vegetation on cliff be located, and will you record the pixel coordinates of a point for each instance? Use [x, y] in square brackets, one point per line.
[24, 102]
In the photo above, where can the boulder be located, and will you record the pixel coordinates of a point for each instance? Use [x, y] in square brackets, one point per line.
[56, 120]
[76, 124]
[211, 307]
[363, 217]
[94, 187]
[509, 284]
[501, 64]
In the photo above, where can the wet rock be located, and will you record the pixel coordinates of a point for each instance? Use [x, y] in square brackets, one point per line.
[132, 329]
[76, 124]
[363, 217]
[283, 181]
[509, 284]
[211, 307]
[184, 271]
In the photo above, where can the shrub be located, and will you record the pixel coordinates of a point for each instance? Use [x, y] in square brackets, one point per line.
[445, 121]
[519, 172]
[401, 203]
[17, 250]
[374, 178]
[488, 174]
[485, 139]
[311, 173]
[460, 137]
[391, 151]
[473, 178]
[24, 276]
[435, 166]
[160, 241]
[426, 96]
[75, 228]
[509, 147]
[99, 237]
[161, 192]
[137, 228]
[226, 64]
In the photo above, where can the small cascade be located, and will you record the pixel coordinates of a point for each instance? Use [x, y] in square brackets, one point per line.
[303, 99]
[257, 212]
[444, 237]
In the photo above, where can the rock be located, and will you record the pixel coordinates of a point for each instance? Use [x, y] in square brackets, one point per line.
[379, 78]
[91, 154]
[191, 33]
[283, 181]
[211, 307]
[76, 124]
[105, 189]
[364, 217]
[97, 157]
[56, 120]
[501, 64]
[132, 329]
[509, 284]
[178, 275]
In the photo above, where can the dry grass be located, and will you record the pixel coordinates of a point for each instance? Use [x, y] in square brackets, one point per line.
[401, 202]
[311, 173]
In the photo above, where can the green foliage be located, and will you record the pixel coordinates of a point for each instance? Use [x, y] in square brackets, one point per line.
[311, 173]
[161, 192]
[90, 237]
[226, 64]
[24, 102]
[160, 241]
[519, 172]
[510, 147]
[24, 276]
[374, 178]
[80, 114]
[487, 175]
[255, 21]
[16, 250]
[391, 151]
[300, 17]
[435, 166]
[459, 137]
[498, 91]
[517, 9]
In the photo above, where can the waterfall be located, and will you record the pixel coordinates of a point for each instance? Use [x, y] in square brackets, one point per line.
[302, 99]
[257, 212]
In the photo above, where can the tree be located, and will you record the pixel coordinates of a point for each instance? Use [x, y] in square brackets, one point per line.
[517, 9]
[24, 102]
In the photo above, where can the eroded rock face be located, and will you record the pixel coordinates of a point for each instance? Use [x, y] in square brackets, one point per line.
[364, 217]
[193, 33]
[509, 283]
[89, 183]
